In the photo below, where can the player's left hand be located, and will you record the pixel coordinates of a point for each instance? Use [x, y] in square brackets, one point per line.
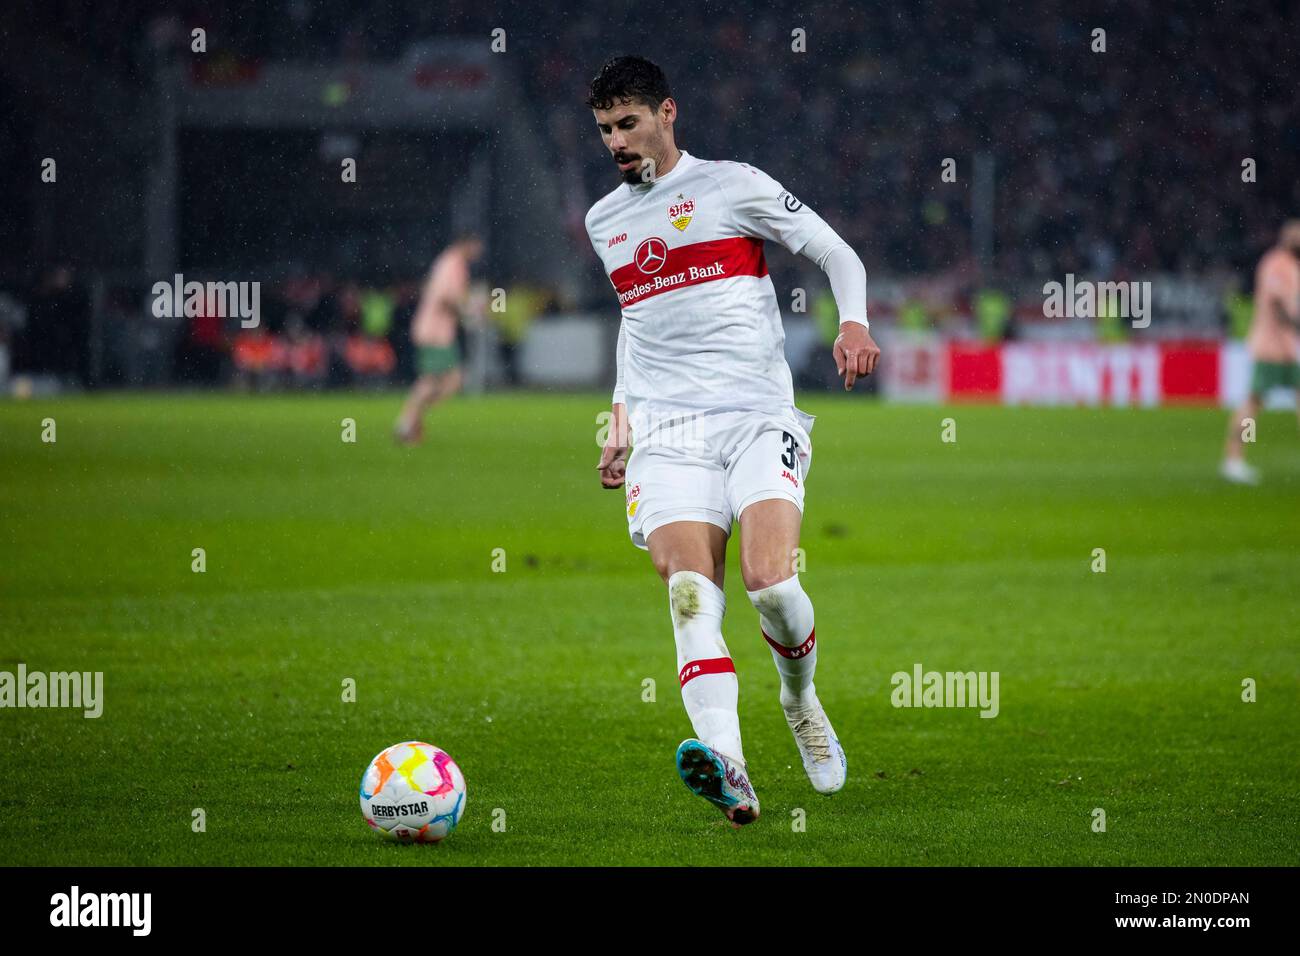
[613, 465]
[855, 353]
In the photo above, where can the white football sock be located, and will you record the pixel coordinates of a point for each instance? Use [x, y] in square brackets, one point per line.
[785, 613]
[710, 690]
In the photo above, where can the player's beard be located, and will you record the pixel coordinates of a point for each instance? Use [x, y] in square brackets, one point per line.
[634, 175]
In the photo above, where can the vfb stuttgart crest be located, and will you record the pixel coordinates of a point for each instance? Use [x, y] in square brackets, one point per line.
[680, 213]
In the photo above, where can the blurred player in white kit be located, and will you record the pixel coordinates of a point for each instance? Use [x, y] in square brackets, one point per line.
[704, 388]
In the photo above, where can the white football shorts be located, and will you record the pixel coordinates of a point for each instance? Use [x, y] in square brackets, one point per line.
[711, 466]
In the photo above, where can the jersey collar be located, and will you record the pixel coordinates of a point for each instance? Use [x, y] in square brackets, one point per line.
[641, 188]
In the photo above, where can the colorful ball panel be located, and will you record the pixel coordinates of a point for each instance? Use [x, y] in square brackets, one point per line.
[413, 792]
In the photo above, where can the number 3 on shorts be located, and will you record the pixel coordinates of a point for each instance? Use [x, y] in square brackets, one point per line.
[788, 459]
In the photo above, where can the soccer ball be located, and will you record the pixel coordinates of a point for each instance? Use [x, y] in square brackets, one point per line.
[413, 792]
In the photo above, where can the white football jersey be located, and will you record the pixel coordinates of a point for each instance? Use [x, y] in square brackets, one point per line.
[701, 323]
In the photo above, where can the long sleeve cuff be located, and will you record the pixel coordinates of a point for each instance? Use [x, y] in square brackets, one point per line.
[847, 275]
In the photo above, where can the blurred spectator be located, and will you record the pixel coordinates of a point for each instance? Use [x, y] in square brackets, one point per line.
[203, 348]
[56, 337]
[258, 356]
[521, 306]
[13, 318]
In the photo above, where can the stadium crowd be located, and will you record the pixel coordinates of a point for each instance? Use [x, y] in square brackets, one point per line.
[1109, 162]
[1129, 157]
[314, 330]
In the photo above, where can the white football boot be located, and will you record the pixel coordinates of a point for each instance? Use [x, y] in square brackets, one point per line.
[823, 757]
[721, 780]
[1236, 470]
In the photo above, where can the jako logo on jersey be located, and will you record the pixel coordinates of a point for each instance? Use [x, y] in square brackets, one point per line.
[680, 213]
[651, 255]
[616, 240]
[793, 480]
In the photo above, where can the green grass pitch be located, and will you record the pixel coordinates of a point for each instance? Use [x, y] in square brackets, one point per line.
[327, 560]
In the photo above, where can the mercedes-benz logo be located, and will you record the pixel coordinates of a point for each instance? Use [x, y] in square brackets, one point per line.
[651, 255]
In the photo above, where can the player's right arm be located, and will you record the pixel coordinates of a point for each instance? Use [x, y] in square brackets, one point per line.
[613, 457]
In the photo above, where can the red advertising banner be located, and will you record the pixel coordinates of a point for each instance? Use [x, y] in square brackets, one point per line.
[1189, 372]
[1085, 373]
[974, 372]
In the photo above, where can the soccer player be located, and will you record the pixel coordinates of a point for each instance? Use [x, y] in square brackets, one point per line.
[704, 387]
[433, 331]
[1272, 342]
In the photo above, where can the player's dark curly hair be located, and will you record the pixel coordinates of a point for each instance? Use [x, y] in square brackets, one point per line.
[628, 78]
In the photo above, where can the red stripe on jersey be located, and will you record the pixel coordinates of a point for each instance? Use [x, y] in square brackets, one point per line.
[691, 265]
[803, 650]
[714, 665]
